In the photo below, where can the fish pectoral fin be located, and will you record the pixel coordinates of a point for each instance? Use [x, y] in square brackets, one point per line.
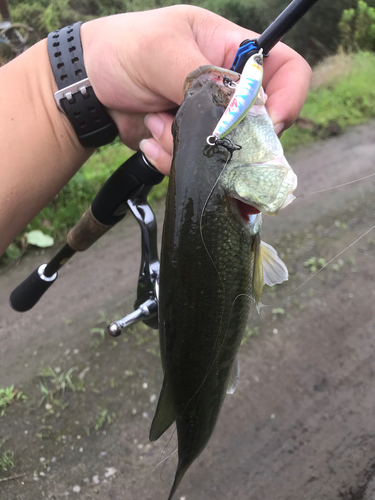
[233, 377]
[274, 269]
[269, 269]
[164, 415]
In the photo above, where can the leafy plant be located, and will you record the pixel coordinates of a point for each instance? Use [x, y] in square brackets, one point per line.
[9, 395]
[357, 28]
[99, 340]
[101, 331]
[39, 239]
[278, 311]
[314, 264]
[6, 460]
[250, 332]
[104, 418]
[53, 385]
[13, 252]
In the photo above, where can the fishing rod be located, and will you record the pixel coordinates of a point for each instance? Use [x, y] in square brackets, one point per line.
[127, 189]
[273, 34]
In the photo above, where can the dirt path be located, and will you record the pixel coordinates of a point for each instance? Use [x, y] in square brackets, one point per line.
[301, 422]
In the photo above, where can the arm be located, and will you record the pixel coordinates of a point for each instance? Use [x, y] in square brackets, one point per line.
[39, 149]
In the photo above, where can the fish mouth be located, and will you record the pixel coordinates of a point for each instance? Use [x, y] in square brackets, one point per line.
[245, 210]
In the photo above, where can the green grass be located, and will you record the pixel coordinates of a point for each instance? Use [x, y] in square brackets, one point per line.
[53, 385]
[6, 460]
[315, 263]
[103, 418]
[344, 97]
[8, 395]
[249, 333]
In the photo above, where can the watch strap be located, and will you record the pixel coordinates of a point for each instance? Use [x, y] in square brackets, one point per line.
[76, 97]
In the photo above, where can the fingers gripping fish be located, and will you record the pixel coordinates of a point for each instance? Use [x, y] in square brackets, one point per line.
[246, 92]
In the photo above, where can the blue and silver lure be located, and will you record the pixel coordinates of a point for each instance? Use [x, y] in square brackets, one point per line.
[246, 92]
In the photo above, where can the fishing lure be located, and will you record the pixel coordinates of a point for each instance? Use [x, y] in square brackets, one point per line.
[246, 92]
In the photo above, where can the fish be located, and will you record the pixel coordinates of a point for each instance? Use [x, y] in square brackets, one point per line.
[213, 263]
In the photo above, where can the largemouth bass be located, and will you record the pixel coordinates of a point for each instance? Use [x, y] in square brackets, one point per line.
[211, 260]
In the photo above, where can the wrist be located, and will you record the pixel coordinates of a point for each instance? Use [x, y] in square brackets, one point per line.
[76, 96]
[43, 87]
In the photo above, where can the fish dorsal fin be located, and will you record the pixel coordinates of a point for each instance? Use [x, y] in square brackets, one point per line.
[233, 377]
[164, 415]
[274, 269]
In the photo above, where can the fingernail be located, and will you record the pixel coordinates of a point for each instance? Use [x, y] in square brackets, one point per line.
[278, 128]
[150, 149]
[155, 125]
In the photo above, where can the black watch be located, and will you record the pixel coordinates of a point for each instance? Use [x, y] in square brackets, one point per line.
[76, 97]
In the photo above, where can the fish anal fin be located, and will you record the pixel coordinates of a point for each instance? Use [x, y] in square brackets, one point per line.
[233, 377]
[164, 415]
[274, 269]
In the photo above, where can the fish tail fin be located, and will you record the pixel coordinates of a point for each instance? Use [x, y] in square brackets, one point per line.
[180, 472]
[188, 447]
[164, 415]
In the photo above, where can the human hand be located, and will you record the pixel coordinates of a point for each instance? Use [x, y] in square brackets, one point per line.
[138, 62]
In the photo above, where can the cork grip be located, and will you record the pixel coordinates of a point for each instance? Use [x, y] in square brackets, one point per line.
[87, 230]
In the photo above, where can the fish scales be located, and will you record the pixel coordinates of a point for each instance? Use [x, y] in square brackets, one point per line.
[207, 265]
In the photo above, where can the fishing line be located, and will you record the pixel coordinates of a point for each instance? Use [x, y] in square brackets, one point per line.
[342, 251]
[213, 263]
[211, 361]
[334, 187]
[210, 364]
[222, 283]
[331, 260]
[164, 461]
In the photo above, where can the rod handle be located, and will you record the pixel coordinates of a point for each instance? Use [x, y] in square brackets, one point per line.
[109, 205]
[28, 293]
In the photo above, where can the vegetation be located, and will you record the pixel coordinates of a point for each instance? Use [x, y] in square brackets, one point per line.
[6, 460]
[341, 95]
[311, 37]
[357, 28]
[54, 384]
[314, 264]
[8, 396]
[103, 418]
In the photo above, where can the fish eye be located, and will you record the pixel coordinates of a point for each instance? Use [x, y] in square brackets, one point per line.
[259, 61]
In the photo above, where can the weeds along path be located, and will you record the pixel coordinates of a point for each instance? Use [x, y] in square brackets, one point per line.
[302, 416]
